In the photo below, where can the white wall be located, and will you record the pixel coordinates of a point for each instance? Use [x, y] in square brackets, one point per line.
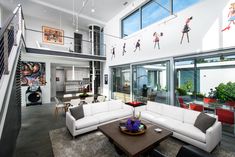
[209, 18]
[49, 89]
[4, 14]
[36, 24]
[211, 78]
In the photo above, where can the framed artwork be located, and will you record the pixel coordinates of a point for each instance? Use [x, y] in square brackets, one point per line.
[105, 78]
[52, 35]
[33, 73]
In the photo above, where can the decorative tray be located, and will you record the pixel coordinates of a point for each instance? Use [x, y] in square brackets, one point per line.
[126, 131]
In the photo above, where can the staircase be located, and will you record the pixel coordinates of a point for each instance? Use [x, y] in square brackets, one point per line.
[11, 43]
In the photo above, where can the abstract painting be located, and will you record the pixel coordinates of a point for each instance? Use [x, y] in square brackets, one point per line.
[52, 35]
[33, 73]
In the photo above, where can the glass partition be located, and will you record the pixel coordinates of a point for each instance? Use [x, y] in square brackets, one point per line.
[121, 83]
[151, 82]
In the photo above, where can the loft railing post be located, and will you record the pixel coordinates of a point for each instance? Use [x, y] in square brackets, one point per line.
[6, 71]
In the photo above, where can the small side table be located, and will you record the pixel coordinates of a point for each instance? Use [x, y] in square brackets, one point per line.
[135, 104]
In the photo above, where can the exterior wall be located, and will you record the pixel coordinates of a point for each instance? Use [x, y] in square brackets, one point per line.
[205, 34]
[208, 81]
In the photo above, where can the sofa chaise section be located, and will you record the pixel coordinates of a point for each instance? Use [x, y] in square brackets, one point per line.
[181, 122]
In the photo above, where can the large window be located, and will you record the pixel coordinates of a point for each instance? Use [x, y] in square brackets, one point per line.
[151, 82]
[179, 5]
[121, 83]
[131, 23]
[154, 11]
[151, 12]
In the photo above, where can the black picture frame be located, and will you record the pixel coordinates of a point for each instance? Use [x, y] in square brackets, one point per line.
[105, 79]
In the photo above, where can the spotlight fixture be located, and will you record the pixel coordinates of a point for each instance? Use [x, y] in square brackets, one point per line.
[92, 10]
[125, 3]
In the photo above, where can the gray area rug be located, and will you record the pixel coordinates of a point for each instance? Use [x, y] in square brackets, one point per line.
[95, 144]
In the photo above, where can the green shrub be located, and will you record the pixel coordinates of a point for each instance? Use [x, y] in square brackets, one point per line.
[181, 91]
[226, 92]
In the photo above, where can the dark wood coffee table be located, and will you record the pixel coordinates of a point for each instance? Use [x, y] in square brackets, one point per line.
[134, 145]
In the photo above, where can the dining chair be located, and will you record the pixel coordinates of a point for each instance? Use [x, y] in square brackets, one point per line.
[230, 103]
[75, 102]
[59, 105]
[196, 107]
[89, 100]
[209, 100]
[225, 116]
[101, 98]
[181, 102]
[68, 95]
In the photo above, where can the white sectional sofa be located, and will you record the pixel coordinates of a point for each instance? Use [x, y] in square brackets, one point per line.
[181, 122]
[97, 114]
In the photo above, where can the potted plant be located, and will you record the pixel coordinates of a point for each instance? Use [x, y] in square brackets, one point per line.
[83, 95]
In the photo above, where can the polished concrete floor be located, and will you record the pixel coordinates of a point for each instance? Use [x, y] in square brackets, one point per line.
[37, 121]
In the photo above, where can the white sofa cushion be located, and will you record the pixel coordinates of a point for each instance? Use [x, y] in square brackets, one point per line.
[87, 110]
[191, 131]
[149, 115]
[111, 115]
[115, 105]
[190, 116]
[104, 117]
[99, 107]
[173, 112]
[154, 107]
[86, 122]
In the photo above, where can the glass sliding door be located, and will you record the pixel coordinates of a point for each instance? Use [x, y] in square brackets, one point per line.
[208, 82]
[151, 82]
[185, 80]
[121, 83]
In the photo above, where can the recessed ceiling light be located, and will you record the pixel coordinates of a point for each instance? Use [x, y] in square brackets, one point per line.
[93, 10]
[125, 3]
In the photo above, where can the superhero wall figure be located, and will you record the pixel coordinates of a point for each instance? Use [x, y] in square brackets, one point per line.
[231, 17]
[186, 29]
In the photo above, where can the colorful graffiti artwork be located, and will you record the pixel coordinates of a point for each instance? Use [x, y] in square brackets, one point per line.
[33, 73]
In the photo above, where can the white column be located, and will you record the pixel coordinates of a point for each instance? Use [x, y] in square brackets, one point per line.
[73, 75]
[93, 77]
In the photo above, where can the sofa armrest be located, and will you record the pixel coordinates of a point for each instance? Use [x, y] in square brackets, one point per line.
[70, 123]
[213, 136]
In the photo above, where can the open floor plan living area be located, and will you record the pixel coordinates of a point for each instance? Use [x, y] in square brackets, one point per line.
[117, 78]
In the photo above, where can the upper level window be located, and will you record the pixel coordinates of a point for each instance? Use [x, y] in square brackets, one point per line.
[131, 23]
[179, 5]
[154, 11]
[151, 12]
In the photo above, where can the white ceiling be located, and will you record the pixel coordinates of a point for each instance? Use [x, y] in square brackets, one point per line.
[54, 9]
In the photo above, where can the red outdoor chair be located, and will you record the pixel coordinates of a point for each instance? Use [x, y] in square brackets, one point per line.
[196, 107]
[209, 100]
[230, 103]
[181, 102]
[225, 116]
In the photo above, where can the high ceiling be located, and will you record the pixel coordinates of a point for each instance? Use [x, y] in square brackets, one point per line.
[53, 10]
